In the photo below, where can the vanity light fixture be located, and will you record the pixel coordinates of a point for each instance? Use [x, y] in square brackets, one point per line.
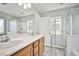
[25, 5]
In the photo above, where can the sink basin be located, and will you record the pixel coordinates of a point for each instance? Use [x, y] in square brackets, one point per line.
[10, 44]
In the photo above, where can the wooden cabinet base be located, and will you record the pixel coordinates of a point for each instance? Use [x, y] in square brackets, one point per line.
[34, 49]
[27, 51]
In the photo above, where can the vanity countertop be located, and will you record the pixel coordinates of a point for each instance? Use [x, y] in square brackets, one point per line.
[26, 40]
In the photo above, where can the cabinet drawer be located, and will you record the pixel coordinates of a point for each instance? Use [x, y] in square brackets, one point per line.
[35, 50]
[35, 43]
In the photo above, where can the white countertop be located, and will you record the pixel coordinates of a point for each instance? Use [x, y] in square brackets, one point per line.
[26, 40]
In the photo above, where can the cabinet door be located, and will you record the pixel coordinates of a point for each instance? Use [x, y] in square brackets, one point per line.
[36, 50]
[27, 51]
[35, 47]
[41, 46]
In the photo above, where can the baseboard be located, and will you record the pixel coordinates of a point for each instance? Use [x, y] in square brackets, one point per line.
[56, 46]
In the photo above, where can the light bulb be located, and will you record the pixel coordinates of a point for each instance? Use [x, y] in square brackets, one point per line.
[29, 5]
[25, 6]
[20, 4]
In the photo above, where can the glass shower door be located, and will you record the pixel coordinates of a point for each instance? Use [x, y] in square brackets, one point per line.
[57, 32]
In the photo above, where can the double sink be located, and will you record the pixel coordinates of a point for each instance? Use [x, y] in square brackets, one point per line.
[10, 44]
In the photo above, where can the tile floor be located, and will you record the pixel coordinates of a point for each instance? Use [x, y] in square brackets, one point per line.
[50, 51]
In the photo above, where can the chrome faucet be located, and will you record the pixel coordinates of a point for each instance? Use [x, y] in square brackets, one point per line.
[4, 39]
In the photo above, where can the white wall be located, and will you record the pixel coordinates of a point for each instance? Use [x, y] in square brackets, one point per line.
[44, 29]
[75, 21]
[36, 23]
[44, 25]
[73, 38]
[72, 46]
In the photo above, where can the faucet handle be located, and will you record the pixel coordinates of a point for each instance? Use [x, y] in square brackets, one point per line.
[7, 38]
[4, 39]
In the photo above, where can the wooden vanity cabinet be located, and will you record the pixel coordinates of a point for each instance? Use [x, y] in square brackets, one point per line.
[34, 49]
[27, 51]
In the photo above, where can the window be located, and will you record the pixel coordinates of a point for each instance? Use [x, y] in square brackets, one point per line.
[1, 26]
[29, 26]
[55, 25]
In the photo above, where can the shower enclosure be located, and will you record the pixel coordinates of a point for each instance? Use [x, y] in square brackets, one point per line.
[57, 32]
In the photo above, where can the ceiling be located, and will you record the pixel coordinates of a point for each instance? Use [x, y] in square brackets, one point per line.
[44, 7]
[16, 10]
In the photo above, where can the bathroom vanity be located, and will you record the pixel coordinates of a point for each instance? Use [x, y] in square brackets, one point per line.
[29, 46]
[34, 49]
